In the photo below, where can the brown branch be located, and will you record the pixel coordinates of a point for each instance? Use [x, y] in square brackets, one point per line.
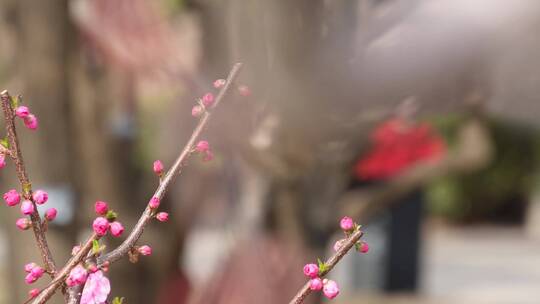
[330, 263]
[16, 155]
[148, 213]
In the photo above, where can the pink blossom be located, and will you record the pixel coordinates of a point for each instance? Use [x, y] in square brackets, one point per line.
[22, 111]
[208, 99]
[330, 289]
[50, 214]
[158, 167]
[27, 207]
[339, 244]
[145, 250]
[202, 146]
[208, 156]
[96, 290]
[37, 271]
[92, 268]
[315, 284]
[30, 278]
[33, 293]
[12, 197]
[116, 229]
[311, 270]
[40, 197]
[28, 267]
[101, 208]
[196, 111]
[364, 247]
[31, 122]
[219, 83]
[77, 276]
[154, 202]
[244, 90]
[346, 223]
[100, 226]
[162, 216]
[23, 223]
[2, 161]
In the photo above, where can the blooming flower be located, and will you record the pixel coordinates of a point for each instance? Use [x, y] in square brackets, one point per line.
[315, 284]
[158, 167]
[145, 250]
[100, 226]
[116, 229]
[22, 111]
[77, 276]
[218, 84]
[208, 99]
[12, 197]
[154, 202]
[40, 197]
[27, 207]
[101, 208]
[50, 214]
[23, 223]
[311, 270]
[31, 122]
[96, 290]
[346, 223]
[162, 216]
[330, 289]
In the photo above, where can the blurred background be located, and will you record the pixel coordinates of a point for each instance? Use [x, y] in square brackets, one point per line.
[418, 118]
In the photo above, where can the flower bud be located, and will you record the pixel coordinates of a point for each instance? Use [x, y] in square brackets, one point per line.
[346, 223]
[219, 83]
[315, 284]
[33, 293]
[196, 111]
[27, 207]
[162, 216]
[158, 167]
[202, 146]
[28, 267]
[30, 278]
[145, 250]
[101, 208]
[31, 122]
[12, 197]
[364, 247]
[208, 99]
[311, 270]
[116, 229]
[37, 272]
[77, 276]
[154, 202]
[23, 223]
[100, 226]
[50, 214]
[2, 161]
[40, 197]
[330, 289]
[22, 111]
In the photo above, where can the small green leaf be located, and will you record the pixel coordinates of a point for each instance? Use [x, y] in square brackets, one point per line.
[95, 247]
[111, 215]
[118, 300]
[4, 142]
[15, 102]
[27, 188]
[322, 267]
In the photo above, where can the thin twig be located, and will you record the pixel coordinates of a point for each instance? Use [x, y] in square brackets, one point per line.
[16, 155]
[330, 263]
[147, 215]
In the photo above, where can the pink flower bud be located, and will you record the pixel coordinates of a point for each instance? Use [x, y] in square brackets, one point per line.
[208, 99]
[92, 268]
[158, 167]
[154, 202]
[2, 161]
[40, 197]
[244, 90]
[101, 208]
[37, 272]
[77, 276]
[28, 267]
[23, 223]
[22, 111]
[33, 293]
[145, 250]
[316, 284]
[208, 156]
[12, 197]
[162, 216]
[75, 249]
[27, 207]
[31, 122]
[218, 84]
[196, 111]
[311, 270]
[100, 226]
[202, 146]
[50, 214]
[330, 289]
[30, 278]
[364, 247]
[346, 223]
[339, 244]
[116, 229]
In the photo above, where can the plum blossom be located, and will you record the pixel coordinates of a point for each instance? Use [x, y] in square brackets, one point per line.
[97, 289]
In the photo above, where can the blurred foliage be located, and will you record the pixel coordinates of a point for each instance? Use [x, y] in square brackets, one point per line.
[502, 187]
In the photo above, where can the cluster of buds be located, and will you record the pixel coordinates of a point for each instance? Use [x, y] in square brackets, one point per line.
[34, 272]
[30, 120]
[329, 288]
[28, 206]
[203, 103]
[349, 226]
[106, 221]
[203, 147]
